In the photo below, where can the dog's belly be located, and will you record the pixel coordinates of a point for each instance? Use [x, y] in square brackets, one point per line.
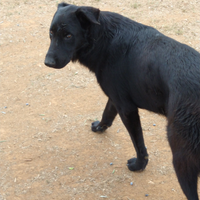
[154, 101]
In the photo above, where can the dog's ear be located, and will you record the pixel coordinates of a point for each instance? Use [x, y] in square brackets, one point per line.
[88, 15]
[60, 5]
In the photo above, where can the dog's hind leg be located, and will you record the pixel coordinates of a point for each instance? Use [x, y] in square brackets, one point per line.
[133, 125]
[109, 115]
[185, 165]
[187, 177]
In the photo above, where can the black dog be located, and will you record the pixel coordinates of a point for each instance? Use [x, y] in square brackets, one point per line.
[137, 67]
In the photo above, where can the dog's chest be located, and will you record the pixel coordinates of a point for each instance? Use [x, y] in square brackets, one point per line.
[112, 83]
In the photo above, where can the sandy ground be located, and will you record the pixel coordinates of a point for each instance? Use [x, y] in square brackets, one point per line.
[47, 149]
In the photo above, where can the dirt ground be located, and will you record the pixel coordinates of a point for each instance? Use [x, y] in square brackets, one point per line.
[47, 149]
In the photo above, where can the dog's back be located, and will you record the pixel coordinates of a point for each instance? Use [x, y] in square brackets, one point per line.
[141, 56]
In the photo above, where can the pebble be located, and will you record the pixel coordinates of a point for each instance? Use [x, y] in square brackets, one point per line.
[146, 195]
[131, 183]
[111, 163]
[27, 104]
[154, 124]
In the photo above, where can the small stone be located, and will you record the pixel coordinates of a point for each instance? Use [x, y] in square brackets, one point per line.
[27, 104]
[154, 124]
[146, 195]
[131, 183]
[111, 163]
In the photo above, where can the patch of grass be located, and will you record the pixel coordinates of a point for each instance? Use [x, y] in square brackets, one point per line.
[179, 32]
[167, 28]
[136, 5]
[184, 10]
[9, 14]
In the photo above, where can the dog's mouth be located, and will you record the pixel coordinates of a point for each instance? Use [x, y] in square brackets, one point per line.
[55, 66]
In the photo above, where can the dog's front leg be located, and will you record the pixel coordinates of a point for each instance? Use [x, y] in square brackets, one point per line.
[133, 125]
[109, 115]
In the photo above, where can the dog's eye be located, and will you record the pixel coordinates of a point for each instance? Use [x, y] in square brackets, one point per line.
[68, 36]
[51, 33]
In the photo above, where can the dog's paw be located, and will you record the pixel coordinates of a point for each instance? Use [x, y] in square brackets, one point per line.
[97, 128]
[135, 164]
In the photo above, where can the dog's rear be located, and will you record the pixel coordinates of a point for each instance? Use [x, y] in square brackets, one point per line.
[137, 67]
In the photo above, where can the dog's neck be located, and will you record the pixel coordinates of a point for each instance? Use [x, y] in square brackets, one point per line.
[89, 52]
[95, 50]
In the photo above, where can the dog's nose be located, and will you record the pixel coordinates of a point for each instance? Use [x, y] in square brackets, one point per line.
[50, 62]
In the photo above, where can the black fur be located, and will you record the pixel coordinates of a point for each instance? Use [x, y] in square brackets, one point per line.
[137, 67]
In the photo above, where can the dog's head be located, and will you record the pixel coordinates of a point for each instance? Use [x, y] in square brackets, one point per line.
[68, 33]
